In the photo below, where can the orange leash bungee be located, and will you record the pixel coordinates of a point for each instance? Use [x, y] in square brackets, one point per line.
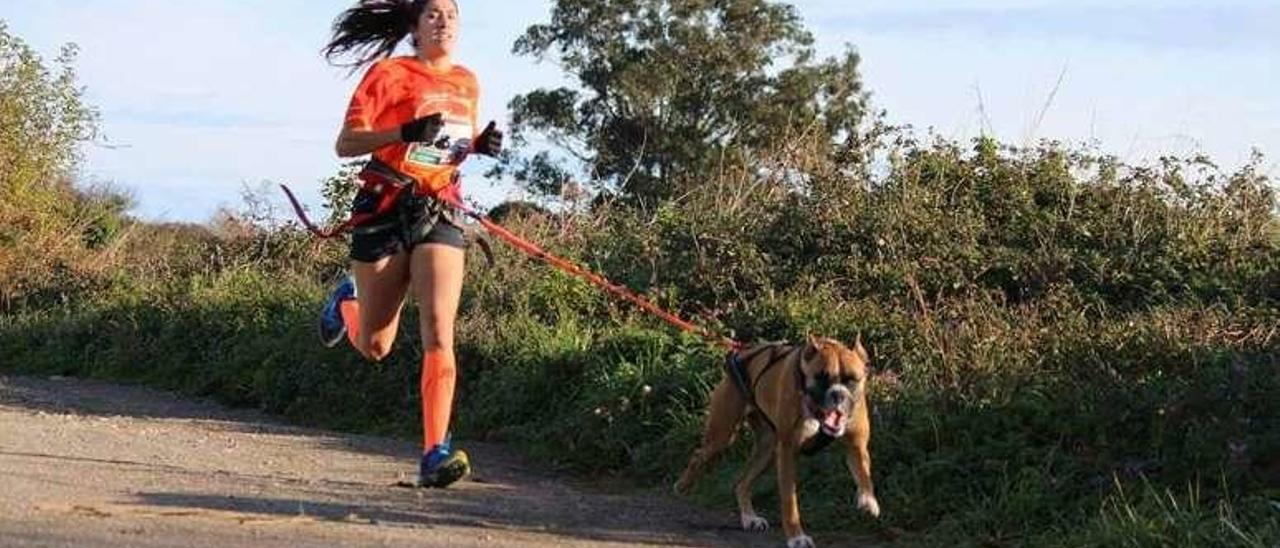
[452, 197]
[533, 250]
[376, 177]
[385, 203]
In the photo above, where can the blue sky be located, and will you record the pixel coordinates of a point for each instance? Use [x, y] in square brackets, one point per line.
[199, 99]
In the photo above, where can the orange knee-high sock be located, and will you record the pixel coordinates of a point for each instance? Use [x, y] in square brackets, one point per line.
[438, 376]
[350, 310]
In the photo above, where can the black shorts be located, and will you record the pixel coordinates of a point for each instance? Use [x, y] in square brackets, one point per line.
[414, 221]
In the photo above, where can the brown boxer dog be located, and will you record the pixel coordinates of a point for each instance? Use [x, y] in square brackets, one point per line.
[797, 398]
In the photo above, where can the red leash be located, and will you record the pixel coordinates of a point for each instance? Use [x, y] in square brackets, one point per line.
[381, 182]
[355, 220]
[452, 197]
[531, 249]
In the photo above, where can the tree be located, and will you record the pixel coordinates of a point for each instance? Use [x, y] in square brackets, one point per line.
[49, 226]
[43, 120]
[666, 89]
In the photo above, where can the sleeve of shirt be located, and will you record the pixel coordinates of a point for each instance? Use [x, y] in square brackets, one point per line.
[367, 100]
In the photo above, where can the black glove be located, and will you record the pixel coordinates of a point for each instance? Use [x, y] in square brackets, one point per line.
[489, 142]
[422, 130]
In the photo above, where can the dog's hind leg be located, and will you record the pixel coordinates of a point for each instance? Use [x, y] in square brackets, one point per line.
[761, 458]
[723, 416]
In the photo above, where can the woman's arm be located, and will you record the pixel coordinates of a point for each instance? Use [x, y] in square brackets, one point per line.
[356, 142]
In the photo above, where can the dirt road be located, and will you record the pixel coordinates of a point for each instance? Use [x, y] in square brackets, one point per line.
[95, 464]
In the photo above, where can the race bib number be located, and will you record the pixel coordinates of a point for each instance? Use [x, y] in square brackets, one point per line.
[455, 138]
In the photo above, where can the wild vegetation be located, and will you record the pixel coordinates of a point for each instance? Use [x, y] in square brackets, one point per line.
[1067, 350]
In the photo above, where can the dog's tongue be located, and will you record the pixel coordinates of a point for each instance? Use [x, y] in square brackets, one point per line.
[831, 419]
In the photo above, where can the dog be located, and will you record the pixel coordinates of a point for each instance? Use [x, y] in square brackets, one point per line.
[796, 398]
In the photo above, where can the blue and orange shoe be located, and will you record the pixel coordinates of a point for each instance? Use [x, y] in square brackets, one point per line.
[332, 328]
[442, 466]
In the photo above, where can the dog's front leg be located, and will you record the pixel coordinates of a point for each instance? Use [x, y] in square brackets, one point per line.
[790, 506]
[858, 459]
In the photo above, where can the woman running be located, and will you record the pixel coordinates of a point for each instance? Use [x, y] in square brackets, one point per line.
[411, 113]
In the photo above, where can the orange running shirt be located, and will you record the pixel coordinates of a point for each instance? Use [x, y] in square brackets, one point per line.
[401, 89]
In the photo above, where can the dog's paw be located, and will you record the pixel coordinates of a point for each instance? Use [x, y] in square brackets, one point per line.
[802, 541]
[680, 488]
[754, 523]
[867, 503]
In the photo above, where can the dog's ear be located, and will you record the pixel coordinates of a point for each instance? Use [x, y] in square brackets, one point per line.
[811, 346]
[861, 350]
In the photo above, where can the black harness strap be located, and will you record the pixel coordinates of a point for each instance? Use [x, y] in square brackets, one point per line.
[736, 368]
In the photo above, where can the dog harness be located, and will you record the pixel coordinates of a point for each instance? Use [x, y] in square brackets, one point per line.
[736, 367]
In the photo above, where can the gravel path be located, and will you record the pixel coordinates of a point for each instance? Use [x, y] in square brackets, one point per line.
[86, 463]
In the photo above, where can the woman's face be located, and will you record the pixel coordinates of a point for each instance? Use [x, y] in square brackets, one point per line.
[437, 30]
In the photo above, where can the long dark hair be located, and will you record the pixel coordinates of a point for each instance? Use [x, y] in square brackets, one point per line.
[372, 29]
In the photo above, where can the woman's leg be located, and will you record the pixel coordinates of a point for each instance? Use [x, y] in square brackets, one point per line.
[437, 271]
[374, 317]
